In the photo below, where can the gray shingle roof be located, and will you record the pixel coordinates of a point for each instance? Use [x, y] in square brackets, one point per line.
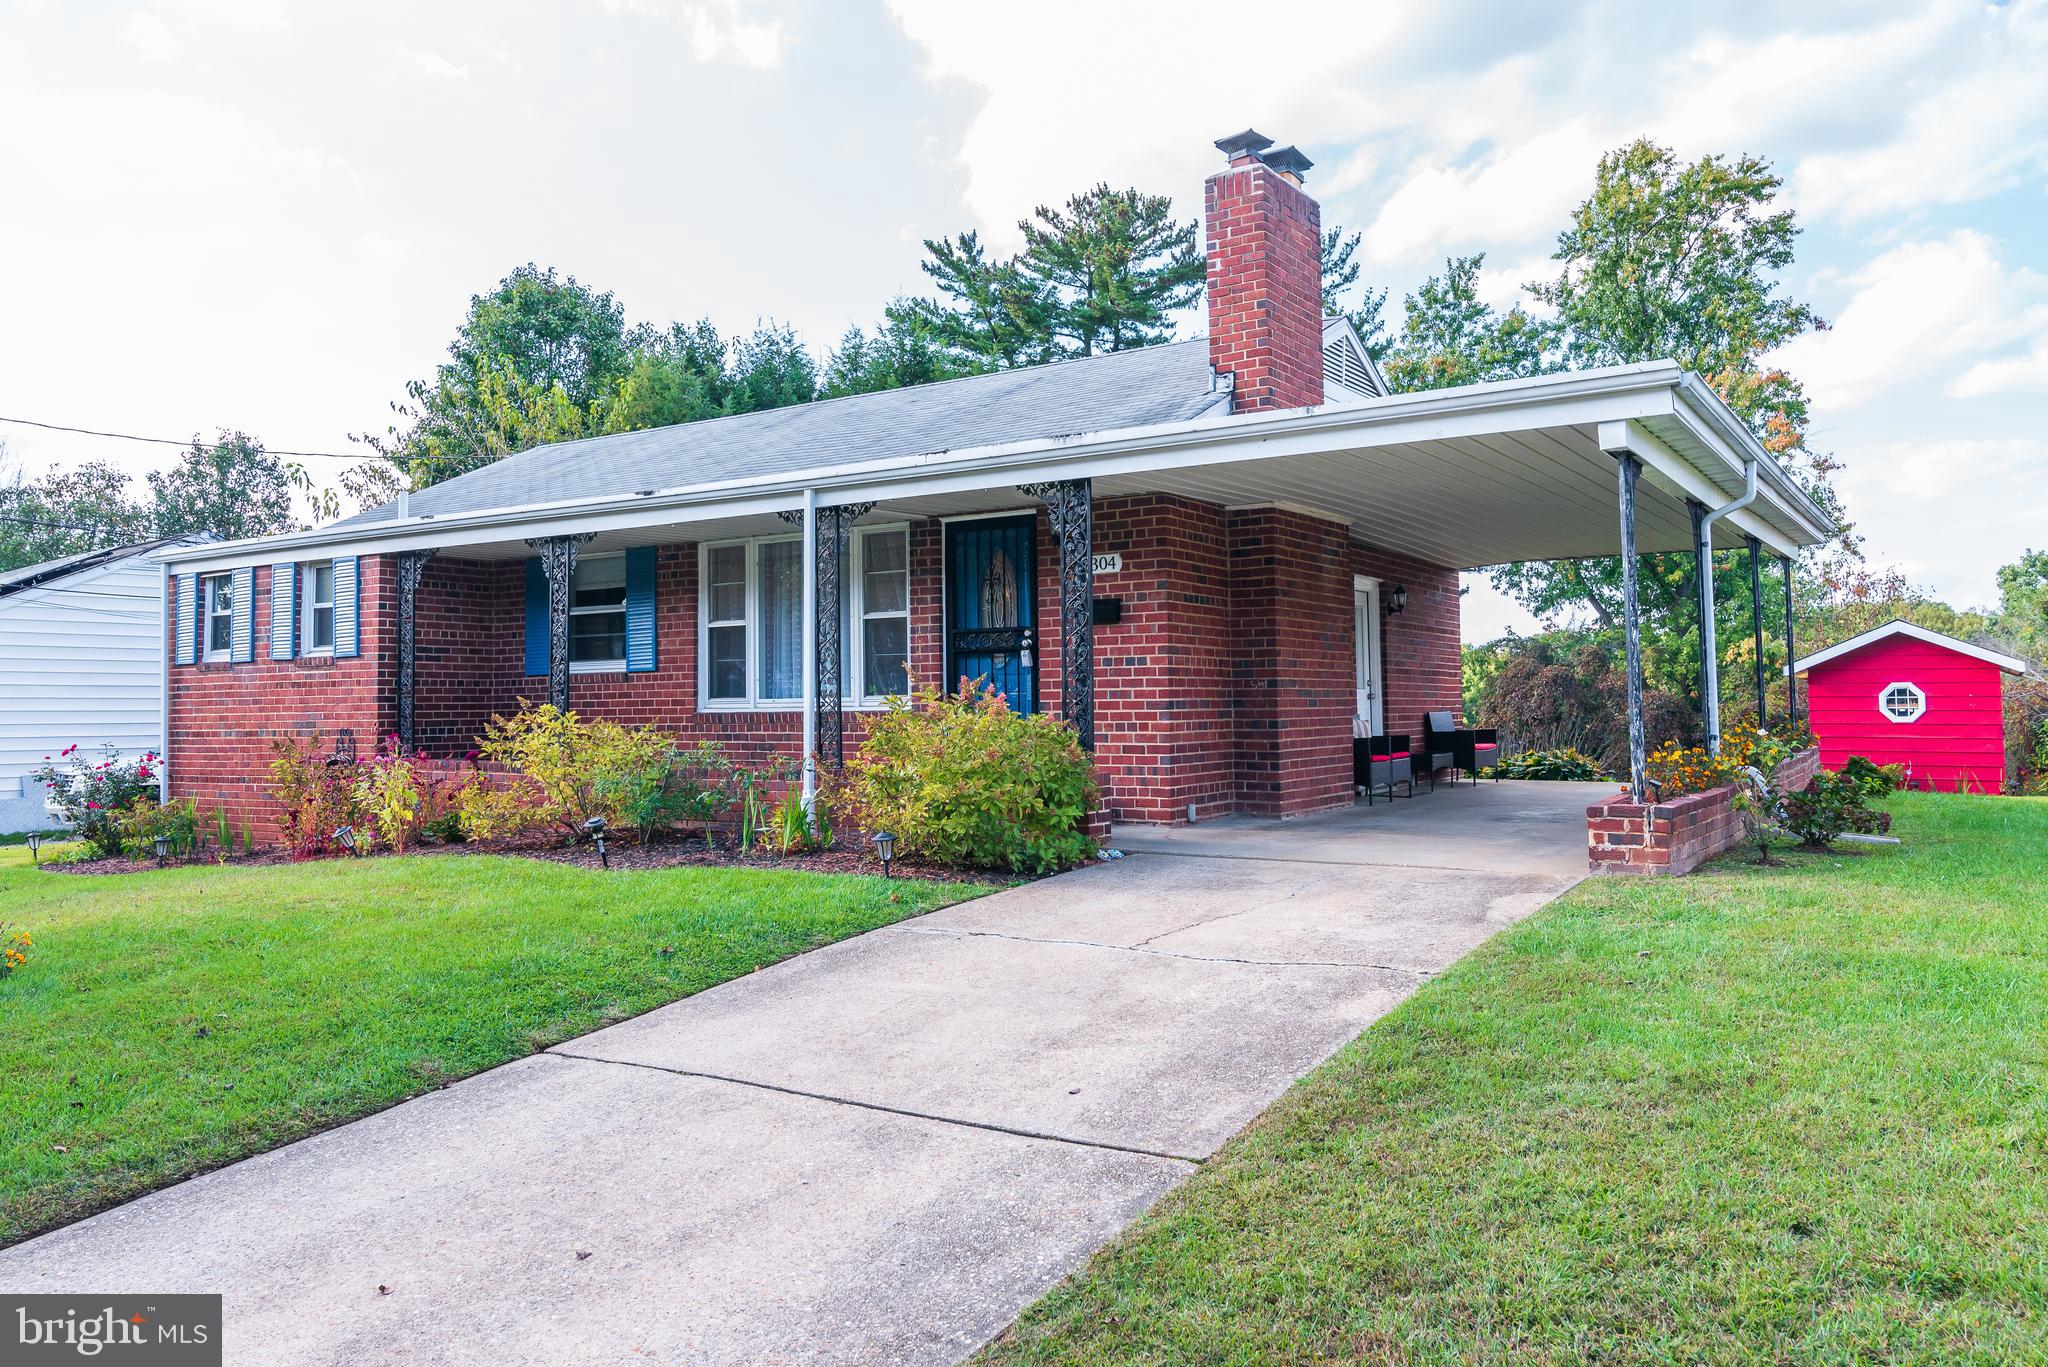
[1123, 389]
[23, 577]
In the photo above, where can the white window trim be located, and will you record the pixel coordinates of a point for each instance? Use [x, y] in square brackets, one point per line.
[854, 671]
[1919, 710]
[208, 653]
[853, 580]
[306, 604]
[617, 666]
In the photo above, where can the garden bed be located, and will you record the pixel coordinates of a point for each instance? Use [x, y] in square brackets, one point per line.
[714, 852]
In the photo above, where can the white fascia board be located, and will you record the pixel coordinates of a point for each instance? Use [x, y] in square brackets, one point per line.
[1574, 399]
[1678, 475]
[1710, 418]
[1895, 627]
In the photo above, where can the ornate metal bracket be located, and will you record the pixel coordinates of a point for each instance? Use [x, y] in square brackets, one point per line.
[1070, 503]
[412, 567]
[558, 563]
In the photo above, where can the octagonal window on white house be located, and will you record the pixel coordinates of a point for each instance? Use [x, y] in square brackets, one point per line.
[1902, 702]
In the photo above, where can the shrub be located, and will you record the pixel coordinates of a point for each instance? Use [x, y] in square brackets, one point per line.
[1547, 698]
[93, 795]
[1831, 805]
[566, 770]
[1678, 770]
[679, 785]
[316, 795]
[177, 821]
[961, 779]
[1875, 780]
[1564, 765]
[399, 794]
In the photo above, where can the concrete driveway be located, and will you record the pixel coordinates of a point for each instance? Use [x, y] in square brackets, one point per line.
[878, 1152]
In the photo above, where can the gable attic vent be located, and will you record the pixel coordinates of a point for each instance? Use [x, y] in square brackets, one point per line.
[1345, 364]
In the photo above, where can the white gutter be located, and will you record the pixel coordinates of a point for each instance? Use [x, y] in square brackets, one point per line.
[163, 644]
[1710, 687]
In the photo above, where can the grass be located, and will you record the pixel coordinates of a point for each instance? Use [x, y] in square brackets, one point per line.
[172, 1021]
[1795, 1115]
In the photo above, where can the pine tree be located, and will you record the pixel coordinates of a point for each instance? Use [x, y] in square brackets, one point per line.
[1116, 265]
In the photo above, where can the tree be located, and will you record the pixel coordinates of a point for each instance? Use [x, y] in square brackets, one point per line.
[989, 313]
[1340, 273]
[231, 489]
[769, 369]
[899, 353]
[2023, 604]
[66, 512]
[1451, 337]
[549, 331]
[1116, 265]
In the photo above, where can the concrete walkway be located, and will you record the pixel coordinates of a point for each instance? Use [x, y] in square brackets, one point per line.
[878, 1152]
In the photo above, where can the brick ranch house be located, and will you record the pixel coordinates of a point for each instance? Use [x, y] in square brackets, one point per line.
[1210, 556]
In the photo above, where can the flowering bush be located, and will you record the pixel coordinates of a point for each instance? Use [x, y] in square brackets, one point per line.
[1747, 745]
[399, 795]
[1829, 806]
[962, 779]
[91, 795]
[1678, 770]
[566, 770]
[316, 794]
[14, 948]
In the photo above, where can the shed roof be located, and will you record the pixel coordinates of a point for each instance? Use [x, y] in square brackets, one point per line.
[25, 577]
[1898, 628]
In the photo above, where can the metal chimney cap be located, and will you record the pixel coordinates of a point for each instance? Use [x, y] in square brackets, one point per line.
[1288, 161]
[1251, 142]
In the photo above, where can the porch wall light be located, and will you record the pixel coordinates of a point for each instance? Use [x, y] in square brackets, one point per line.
[1397, 599]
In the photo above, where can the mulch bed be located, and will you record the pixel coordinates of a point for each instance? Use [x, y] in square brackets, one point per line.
[662, 855]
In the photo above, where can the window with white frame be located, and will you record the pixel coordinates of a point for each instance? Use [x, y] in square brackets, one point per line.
[597, 613]
[882, 609]
[1902, 702]
[316, 614]
[219, 631]
[750, 602]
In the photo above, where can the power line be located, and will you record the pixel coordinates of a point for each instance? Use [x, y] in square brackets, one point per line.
[52, 526]
[169, 441]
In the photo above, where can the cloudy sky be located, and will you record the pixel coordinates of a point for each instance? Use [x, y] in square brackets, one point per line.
[233, 213]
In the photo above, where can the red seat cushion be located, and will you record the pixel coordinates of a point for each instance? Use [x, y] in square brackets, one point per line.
[1486, 745]
[1398, 754]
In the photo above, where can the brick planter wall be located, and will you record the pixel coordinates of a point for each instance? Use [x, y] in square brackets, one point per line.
[1623, 836]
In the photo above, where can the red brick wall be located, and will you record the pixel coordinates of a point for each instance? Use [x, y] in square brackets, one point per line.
[226, 717]
[1228, 685]
[1265, 287]
[1294, 671]
[1675, 837]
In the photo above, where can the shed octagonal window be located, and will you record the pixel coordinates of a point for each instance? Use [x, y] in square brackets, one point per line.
[1902, 702]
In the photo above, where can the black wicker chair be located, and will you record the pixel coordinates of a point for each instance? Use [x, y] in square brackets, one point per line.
[1438, 749]
[1470, 750]
[1387, 766]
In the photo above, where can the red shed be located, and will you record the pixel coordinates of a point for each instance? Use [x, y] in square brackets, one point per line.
[1902, 694]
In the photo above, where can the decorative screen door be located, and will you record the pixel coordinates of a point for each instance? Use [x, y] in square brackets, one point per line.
[1366, 633]
[991, 604]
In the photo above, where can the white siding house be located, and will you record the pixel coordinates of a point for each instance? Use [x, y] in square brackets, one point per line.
[81, 663]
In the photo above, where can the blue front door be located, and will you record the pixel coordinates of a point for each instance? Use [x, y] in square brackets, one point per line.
[991, 604]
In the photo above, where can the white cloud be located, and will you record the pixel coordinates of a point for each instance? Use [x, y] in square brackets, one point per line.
[1917, 310]
[1922, 470]
[719, 32]
[2026, 372]
[431, 64]
[150, 37]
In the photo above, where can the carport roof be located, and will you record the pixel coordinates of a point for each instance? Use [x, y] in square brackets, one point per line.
[1464, 477]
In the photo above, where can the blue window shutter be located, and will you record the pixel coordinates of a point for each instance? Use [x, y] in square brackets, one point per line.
[188, 619]
[640, 651]
[536, 617]
[242, 644]
[348, 635]
[284, 610]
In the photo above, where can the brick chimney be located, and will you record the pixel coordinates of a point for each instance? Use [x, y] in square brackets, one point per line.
[1265, 276]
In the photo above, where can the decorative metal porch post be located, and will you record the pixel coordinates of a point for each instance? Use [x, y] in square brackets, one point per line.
[1071, 505]
[1791, 677]
[412, 566]
[1703, 589]
[1756, 617]
[1629, 469]
[558, 563]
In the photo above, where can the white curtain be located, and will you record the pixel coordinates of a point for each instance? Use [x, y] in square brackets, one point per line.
[782, 619]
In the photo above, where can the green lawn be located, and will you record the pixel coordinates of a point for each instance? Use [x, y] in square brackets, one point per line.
[171, 1021]
[1787, 1116]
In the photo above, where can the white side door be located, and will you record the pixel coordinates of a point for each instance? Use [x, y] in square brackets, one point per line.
[1366, 633]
